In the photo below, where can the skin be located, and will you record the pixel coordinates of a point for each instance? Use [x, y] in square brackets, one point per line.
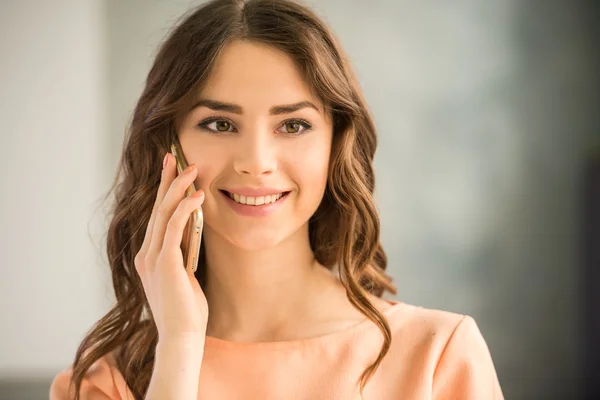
[261, 270]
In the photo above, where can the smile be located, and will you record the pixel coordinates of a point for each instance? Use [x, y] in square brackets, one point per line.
[255, 201]
[259, 206]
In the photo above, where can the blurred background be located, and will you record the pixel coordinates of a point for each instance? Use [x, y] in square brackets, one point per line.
[488, 170]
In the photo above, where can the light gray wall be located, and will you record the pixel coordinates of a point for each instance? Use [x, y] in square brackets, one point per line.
[53, 169]
[482, 123]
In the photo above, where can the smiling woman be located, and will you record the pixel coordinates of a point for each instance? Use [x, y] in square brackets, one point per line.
[281, 144]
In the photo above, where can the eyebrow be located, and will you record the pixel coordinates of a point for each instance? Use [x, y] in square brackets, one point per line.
[235, 109]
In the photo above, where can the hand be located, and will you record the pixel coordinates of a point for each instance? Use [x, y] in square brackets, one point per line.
[177, 302]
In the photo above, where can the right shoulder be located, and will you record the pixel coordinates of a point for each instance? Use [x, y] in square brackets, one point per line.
[102, 381]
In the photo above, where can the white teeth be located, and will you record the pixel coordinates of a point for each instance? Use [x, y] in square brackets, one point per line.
[255, 201]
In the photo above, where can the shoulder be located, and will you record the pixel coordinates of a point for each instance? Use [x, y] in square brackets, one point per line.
[436, 337]
[447, 347]
[421, 324]
[101, 381]
[59, 388]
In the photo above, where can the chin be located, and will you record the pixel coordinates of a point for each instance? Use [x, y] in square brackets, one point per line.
[255, 241]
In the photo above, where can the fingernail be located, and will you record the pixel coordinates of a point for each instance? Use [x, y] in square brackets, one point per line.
[198, 193]
[189, 168]
[166, 160]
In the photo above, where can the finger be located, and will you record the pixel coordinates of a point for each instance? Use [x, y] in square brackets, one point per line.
[166, 209]
[166, 178]
[140, 267]
[179, 219]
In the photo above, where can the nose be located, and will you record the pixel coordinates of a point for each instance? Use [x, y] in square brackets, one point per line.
[256, 155]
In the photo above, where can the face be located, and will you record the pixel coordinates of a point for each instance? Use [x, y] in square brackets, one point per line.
[258, 135]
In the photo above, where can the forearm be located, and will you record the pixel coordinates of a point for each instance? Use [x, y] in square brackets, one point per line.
[176, 370]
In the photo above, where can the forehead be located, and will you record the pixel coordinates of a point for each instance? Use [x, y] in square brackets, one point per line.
[256, 77]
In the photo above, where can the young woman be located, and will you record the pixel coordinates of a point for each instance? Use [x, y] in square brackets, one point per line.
[286, 302]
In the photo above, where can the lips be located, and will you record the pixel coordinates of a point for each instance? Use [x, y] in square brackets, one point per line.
[255, 201]
[249, 210]
[249, 191]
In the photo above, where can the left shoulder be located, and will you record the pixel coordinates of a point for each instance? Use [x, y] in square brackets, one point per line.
[448, 347]
[418, 324]
[436, 337]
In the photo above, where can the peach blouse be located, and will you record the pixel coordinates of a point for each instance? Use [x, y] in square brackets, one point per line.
[433, 355]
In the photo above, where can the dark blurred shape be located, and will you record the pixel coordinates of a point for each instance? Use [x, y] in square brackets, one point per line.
[592, 279]
[591, 222]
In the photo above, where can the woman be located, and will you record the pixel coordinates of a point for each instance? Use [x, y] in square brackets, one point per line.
[286, 302]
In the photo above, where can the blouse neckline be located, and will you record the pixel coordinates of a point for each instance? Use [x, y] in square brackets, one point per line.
[213, 342]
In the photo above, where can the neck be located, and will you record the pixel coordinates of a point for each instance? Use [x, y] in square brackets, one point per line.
[252, 294]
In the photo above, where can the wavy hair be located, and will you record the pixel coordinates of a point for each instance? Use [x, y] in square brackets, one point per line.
[344, 232]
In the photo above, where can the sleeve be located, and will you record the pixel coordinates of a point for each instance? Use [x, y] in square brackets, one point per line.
[465, 369]
[102, 381]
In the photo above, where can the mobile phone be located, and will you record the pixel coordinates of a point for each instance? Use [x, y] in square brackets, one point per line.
[192, 235]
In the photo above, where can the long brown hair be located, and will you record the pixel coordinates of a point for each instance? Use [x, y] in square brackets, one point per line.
[345, 229]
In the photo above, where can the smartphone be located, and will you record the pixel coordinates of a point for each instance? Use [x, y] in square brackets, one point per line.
[192, 235]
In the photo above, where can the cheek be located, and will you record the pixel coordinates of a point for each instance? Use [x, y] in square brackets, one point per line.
[310, 165]
[206, 174]
[208, 169]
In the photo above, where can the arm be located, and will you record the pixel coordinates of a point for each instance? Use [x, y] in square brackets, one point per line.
[176, 370]
[465, 369]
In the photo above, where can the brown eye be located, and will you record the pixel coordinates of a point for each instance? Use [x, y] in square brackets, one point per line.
[295, 127]
[222, 126]
[217, 125]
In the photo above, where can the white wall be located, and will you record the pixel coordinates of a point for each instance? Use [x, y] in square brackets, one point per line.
[53, 169]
